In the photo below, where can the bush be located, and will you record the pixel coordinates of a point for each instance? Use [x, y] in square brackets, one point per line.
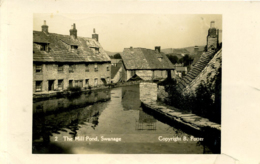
[74, 89]
[205, 101]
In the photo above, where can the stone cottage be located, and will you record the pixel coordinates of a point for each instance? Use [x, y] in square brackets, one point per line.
[62, 61]
[145, 63]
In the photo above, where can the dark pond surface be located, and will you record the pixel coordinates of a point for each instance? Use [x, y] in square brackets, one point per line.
[105, 121]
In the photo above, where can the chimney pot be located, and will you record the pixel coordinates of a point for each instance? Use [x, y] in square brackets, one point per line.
[94, 35]
[73, 31]
[44, 27]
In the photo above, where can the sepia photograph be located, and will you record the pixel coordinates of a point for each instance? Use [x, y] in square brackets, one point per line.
[122, 82]
[126, 83]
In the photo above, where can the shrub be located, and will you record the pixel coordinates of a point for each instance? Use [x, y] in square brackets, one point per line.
[74, 89]
[205, 101]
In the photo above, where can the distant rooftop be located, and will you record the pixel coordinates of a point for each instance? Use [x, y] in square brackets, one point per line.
[145, 59]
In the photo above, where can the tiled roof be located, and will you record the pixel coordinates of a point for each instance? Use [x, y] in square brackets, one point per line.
[197, 57]
[59, 46]
[145, 59]
[196, 70]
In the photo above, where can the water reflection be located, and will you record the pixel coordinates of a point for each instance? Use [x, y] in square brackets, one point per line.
[116, 113]
[130, 98]
[67, 114]
[145, 121]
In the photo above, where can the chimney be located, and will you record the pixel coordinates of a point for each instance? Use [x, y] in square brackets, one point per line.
[196, 49]
[212, 24]
[157, 49]
[94, 35]
[44, 27]
[132, 49]
[73, 31]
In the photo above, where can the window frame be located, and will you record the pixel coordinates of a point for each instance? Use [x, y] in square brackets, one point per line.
[62, 84]
[36, 86]
[37, 69]
[62, 68]
[71, 68]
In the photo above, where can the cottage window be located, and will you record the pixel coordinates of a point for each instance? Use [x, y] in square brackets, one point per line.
[107, 68]
[60, 84]
[71, 68]
[86, 68]
[60, 68]
[38, 86]
[96, 67]
[79, 83]
[38, 68]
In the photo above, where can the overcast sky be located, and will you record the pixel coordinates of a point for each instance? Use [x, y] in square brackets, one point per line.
[118, 31]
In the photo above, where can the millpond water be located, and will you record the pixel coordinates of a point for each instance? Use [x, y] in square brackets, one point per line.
[109, 121]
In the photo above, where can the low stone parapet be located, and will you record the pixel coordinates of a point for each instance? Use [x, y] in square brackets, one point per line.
[191, 120]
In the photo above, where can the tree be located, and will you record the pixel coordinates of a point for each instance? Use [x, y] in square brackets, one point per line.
[117, 56]
[173, 59]
[187, 60]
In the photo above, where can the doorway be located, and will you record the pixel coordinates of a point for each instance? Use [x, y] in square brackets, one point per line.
[104, 81]
[50, 85]
[70, 83]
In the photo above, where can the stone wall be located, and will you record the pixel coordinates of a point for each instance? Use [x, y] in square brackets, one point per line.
[50, 72]
[148, 91]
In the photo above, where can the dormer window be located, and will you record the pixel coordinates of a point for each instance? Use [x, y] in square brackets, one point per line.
[96, 50]
[160, 59]
[43, 46]
[74, 47]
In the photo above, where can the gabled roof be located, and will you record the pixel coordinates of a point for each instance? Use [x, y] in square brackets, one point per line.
[59, 49]
[114, 71]
[196, 70]
[145, 59]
